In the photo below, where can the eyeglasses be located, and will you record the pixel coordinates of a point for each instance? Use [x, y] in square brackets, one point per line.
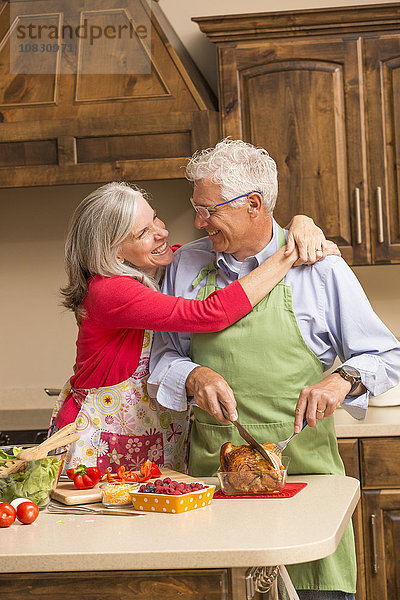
[204, 211]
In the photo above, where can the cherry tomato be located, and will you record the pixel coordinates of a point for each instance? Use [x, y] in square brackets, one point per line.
[27, 512]
[7, 514]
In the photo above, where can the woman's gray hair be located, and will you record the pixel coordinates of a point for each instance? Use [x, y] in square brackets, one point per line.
[239, 168]
[101, 222]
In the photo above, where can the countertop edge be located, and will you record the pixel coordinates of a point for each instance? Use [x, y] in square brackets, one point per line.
[190, 559]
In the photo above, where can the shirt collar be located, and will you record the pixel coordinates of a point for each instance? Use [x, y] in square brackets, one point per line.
[227, 261]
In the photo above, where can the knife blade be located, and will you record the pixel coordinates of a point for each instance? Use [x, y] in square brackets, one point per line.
[85, 510]
[246, 435]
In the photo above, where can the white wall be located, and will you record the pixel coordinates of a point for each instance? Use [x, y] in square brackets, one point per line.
[37, 333]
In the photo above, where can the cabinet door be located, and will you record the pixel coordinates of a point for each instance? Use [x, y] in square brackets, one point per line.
[382, 543]
[382, 80]
[348, 449]
[301, 100]
[115, 99]
[190, 584]
[380, 467]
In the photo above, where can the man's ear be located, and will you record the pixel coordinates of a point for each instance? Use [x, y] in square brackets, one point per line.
[255, 203]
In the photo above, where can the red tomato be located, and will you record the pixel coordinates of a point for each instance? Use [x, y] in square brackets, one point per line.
[7, 514]
[27, 512]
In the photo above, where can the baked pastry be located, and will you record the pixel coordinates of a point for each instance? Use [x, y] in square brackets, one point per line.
[247, 472]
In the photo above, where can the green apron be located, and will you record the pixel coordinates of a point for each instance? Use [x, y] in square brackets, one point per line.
[266, 361]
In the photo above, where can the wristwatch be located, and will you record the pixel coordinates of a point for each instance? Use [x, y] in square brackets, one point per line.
[350, 374]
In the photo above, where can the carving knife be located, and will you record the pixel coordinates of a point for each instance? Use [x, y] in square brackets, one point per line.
[246, 435]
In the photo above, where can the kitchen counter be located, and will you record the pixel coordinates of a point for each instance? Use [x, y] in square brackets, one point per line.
[380, 421]
[25, 410]
[25, 419]
[226, 534]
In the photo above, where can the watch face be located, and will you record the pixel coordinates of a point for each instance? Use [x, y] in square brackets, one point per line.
[351, 371]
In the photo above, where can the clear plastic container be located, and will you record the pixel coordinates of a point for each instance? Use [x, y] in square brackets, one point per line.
[117, 494]
[236, 483]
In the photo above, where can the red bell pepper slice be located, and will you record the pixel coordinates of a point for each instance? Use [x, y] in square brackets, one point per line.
[121, 472]
[149, 469]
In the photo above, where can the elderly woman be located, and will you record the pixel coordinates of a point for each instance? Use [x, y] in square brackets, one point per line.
[115, 251]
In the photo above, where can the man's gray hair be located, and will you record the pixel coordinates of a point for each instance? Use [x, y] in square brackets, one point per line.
[239, 168]
[99, 225]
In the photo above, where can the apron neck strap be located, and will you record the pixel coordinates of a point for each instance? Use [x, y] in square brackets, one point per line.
[205, 272]
[281, 237]
[210, 271]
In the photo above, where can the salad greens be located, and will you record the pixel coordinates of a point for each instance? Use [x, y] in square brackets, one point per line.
[34, 482]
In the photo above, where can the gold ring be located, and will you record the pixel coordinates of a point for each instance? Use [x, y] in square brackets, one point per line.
[320, 411]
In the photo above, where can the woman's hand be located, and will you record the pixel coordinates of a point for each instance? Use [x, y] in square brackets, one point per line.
[310, 241]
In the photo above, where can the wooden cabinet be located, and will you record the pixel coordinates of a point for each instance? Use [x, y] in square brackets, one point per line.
[381, 508]
[377, 518]
[349, 452]
[206, 584]
[382, 543]
[89, 96]
[320, 90]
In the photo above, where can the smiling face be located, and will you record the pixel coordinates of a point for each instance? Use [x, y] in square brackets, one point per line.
[146, 247]
[235, 230]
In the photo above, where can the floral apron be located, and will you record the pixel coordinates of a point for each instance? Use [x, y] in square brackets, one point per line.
[266, 361]
[120, 425]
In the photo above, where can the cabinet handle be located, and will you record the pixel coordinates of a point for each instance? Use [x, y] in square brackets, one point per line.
[374, 550]
[379, 214]
[358, 216]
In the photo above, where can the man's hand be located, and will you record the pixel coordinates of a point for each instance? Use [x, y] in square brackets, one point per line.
[320, 400]
[209, 389]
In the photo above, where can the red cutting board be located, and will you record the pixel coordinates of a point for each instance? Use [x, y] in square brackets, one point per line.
[67, 493]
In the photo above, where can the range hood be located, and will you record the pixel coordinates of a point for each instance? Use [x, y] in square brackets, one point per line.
[97, 91]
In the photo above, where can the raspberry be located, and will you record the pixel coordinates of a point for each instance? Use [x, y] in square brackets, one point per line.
[158, 482]
[167, 480]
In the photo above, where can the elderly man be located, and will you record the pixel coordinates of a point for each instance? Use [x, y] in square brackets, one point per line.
[270, 364]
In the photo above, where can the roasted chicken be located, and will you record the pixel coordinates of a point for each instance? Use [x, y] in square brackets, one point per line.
[248, 472]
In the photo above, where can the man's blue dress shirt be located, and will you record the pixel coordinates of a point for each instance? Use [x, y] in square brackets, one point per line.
[334, 316]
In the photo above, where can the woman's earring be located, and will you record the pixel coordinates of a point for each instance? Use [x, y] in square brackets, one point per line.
[122, 261]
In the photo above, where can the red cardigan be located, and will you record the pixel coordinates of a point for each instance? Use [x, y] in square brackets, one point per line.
[119, 309]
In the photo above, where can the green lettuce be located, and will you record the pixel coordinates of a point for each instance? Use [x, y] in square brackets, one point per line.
[33, 483]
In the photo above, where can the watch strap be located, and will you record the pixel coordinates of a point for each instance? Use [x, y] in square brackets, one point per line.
[354, 380]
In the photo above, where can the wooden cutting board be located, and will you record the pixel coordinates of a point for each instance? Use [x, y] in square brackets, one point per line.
[67, 493]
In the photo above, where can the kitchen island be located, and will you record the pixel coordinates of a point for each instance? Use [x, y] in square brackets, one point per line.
[204, 553]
